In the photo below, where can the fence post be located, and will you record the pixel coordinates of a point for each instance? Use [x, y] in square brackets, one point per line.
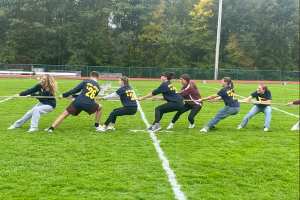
[237, 74]
[129, 73]
[280, 75]
[21, 66]
[87, 71]
[150, 71]
[194, 74]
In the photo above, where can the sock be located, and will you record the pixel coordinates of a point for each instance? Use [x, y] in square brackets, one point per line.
[96, 124]
[51, 128]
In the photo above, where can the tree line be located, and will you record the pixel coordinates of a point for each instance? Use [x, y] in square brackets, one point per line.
[255, 34]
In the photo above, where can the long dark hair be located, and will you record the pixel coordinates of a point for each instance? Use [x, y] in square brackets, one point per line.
[229, 82]
[188, 78]
[168, 75]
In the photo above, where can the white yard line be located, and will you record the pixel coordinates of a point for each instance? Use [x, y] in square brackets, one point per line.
[271, 106]
[165, 163]
[5, 99]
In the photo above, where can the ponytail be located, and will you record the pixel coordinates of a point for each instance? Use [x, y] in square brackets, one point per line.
[194, 84]
[229, 82]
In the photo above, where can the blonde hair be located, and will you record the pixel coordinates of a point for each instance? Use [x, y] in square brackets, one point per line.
[50, 84]
[264, 86]
[125, 80]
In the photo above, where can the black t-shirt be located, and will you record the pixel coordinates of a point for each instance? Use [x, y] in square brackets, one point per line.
[127, 96]
[262, 97]
[38, 88]
[229, 97]
[169, 92]
[85, 101]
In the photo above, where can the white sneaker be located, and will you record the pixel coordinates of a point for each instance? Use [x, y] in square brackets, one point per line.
[170, 126]
[239, 127]
[266, 129]
[33, 129]
[295, 127]
[49, 130]
[12, 127]
[203, 130]
[110, 128]
[191, 125]
[100, 129]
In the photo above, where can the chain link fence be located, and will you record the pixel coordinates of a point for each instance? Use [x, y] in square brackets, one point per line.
[154, 72]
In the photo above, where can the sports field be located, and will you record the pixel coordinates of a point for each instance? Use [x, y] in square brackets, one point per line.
[76, 162]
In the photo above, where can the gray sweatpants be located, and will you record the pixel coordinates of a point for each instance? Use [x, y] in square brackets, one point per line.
[35, 114]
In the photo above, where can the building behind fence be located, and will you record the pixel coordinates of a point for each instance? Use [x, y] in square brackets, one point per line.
[154, 72]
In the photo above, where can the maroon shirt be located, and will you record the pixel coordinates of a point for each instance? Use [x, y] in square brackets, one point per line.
[189, 92]
[296, 102]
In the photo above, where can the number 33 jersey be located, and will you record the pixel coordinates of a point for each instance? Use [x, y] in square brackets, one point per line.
[127, 96]
[85, 101]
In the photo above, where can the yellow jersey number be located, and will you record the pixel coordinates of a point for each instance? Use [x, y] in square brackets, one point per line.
[130, 94]
[231, 94]
[92, 90]
[172, 87]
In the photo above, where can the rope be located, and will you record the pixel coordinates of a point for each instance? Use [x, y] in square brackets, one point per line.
[38, 97]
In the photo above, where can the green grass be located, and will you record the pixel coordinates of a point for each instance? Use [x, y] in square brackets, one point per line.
[76, 162]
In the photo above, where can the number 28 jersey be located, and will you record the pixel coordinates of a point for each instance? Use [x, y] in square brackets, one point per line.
[169, 92]
[127, 96]
[229, 97]
[85, 101]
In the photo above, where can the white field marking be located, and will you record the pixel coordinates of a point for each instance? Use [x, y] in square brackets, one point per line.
[149, 131]
[165, 163]
[5, 99]
[271, 106]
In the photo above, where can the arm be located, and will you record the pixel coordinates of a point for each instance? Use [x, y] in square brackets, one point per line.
[157, 98]
[77, 89]
[208, 98]
[35, 89]
[112, 95]
[144, 97]
[246, 100]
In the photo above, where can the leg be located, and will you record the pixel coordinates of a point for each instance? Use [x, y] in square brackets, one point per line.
[37, 112]
[165, 108]
[184, 109]
[64, 115]
[255, 109]
[268, 115]
[98, 114]
[119, 112]
[26, 117]
[193, 113]
[222, 114]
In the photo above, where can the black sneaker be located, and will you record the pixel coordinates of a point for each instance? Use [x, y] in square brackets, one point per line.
[156, 127]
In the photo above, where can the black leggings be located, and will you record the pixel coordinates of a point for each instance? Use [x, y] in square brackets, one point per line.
[185, 108]
[120, 112]
[165, 108]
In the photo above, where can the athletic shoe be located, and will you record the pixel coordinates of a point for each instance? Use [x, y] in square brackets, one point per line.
[32, 129]
[110, 128]
[239, 127]
[295, 127]
[100, 129]
[266, 129]
[49, 130]
[170, 126]
[150, 128]
[156, 127]
[191, 125]
[12, 127]
[97, 126]
[214, 126]
[203, 130]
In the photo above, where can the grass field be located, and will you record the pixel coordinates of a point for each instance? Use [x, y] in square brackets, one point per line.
[76, 162]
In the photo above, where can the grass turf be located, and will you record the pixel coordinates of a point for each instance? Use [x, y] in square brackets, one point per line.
[76, 162]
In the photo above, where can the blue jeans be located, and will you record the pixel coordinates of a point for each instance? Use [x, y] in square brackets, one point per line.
[222, 114]
[255, 109]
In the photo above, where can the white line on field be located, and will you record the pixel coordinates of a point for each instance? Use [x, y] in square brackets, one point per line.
[165, 163]
[271, 106]
[5, 99]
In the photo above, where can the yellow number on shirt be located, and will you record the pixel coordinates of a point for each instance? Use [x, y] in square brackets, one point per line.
[172, 87]
[91, 90]
[230, 93]
[130, 94]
